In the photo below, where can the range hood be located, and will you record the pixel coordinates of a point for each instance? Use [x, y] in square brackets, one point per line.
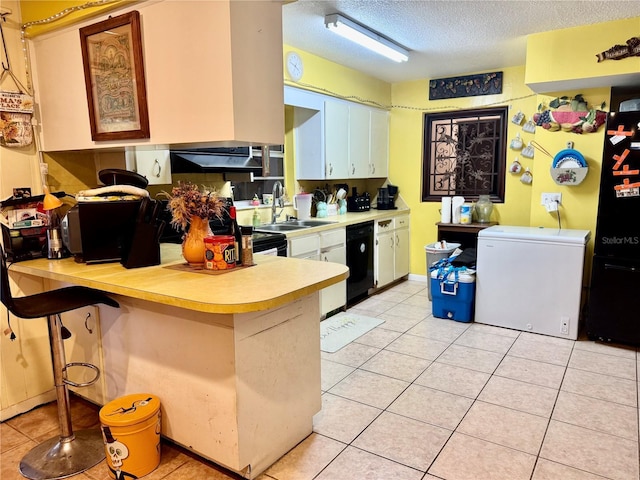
[218, 160]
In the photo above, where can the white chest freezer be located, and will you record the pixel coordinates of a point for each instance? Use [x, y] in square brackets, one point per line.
[530, 279]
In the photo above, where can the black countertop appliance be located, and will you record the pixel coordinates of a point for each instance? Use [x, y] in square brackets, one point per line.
[615, 275]
[358, 203]
[387, 198]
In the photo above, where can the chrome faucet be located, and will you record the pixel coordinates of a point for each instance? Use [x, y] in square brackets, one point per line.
[278, 193]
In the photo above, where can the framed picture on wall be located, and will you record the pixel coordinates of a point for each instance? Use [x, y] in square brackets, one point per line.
[114, 78]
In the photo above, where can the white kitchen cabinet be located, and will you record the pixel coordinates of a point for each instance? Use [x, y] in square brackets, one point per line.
[379, 144]
[337, 139]
[154, 165]
[200, 61]
[307, 246]
[326, 246]
[368, 142]
[309, 132]
[383, 265]
[391, 250]
[401, 247]
[333, 248]
[359, 138]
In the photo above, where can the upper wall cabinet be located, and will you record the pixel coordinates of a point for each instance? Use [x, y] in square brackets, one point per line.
[213, 74]
[337, 139]
[379, 144]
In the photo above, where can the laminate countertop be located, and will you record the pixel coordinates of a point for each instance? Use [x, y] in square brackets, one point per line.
[350, 218]
[271, 282]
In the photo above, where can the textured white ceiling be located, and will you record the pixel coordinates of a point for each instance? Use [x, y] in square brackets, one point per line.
[445, 37]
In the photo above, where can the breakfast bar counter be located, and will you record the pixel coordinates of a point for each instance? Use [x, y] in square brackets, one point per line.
[272, 282]
[233, 357]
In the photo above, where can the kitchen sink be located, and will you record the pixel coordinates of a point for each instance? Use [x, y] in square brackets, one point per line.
[291, 225]
[310, 223]
[279, 227]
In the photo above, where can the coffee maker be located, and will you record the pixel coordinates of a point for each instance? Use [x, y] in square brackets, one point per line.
[387, 197]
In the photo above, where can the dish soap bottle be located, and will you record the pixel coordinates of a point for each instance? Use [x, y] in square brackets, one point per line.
[256, 218]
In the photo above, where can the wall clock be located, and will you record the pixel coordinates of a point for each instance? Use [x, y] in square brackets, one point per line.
[295, 68]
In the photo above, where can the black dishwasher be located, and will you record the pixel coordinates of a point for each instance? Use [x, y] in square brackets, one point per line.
[359, 261]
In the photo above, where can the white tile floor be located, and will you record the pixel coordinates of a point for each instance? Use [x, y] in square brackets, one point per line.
[423, 398]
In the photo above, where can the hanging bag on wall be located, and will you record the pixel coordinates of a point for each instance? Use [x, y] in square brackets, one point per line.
[16, 108]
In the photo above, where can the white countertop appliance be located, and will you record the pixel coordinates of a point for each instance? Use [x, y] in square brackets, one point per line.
[530, 279]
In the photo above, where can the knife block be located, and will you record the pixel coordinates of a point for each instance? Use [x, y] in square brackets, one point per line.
[145, 247]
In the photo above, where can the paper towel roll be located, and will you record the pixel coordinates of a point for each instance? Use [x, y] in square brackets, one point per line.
[456, 203]
[445, 210]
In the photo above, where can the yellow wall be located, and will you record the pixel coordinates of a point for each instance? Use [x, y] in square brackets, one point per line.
[36, 10]
[562, 56]
[332, 79]
[522, 202]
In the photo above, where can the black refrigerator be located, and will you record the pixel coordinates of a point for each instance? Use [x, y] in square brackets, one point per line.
[614, 299]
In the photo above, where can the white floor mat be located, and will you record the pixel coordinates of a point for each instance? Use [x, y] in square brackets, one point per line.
[344, 328]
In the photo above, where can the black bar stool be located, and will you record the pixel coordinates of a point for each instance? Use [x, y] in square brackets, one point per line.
[69, 453]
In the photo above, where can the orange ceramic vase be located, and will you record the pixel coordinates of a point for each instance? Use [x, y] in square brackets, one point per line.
[193, 242]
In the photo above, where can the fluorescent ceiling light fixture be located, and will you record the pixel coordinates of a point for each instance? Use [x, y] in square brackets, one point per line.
[365, 37]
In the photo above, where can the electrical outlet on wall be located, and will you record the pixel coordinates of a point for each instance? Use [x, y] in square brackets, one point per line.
[551, 201]
[547, 198]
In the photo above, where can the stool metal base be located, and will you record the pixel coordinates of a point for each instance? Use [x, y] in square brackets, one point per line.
[54, 458]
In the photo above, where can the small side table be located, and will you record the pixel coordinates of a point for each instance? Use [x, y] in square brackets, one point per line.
[466, 234]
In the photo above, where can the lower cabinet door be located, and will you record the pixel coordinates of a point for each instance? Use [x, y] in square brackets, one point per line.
[85, 346]
[401, 253]
[335, 296]
[385, 254]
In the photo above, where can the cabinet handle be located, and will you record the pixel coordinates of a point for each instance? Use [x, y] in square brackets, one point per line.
[373, 169]
[353, 169]
[397, 239]
[86, 323]
[391, 240]
[330, 169]
[157, 171]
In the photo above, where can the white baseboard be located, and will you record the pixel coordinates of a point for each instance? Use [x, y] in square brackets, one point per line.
[26, 405]
[418, 278]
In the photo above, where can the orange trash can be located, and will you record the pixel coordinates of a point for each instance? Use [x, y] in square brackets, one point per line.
[131, 432]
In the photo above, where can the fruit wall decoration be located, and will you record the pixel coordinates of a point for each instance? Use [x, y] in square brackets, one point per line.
[570, 115]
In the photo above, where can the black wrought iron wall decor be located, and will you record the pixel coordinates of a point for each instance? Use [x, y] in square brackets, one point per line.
[466, 86]
[464, 154]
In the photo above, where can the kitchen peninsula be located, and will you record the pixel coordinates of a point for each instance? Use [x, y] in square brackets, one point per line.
[233, 357]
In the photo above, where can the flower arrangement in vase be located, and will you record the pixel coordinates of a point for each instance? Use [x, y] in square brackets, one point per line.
[193, 207]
